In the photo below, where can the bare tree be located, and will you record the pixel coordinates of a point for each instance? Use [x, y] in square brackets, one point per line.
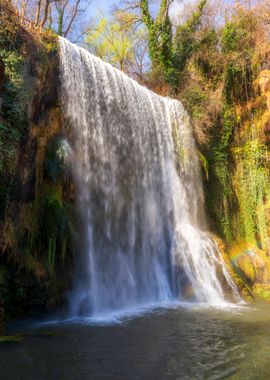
[59, 15]
[75, 13]
[23, 8]
[38, 9]
[65, 15]
[60, 6]
[140, 63]
[45, 13]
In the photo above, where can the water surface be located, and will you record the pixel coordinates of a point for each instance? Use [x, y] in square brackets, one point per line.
[175, 343]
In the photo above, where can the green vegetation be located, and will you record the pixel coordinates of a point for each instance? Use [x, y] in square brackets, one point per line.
[214, 69]
[170, 52]
[35, 199]
[10, 338]
[219, 70]
[234, 140]
[119, 41]
[13, 103]
[112, 40]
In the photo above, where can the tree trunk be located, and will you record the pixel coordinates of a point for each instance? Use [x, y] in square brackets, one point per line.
[46, 11]
[38, 12]
[60, 22]
[72, 18]
[2, 79]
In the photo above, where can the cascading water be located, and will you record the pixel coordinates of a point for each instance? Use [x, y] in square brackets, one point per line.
[139, 193]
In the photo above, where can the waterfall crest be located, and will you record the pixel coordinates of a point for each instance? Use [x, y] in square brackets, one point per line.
[139, 193]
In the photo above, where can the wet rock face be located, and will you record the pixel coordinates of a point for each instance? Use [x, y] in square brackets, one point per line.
[264, 81]
[253, 268]
[48, 97]
[255, 265]
[264, 86]
[262, 291]
[36, 266]
[2, 76]
[2, 73]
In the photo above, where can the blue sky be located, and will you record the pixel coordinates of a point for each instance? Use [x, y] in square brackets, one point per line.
[103, 5]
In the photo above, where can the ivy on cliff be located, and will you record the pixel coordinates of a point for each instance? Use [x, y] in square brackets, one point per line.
[230, 115]
[170, 52]
[14, 100]
[35, 200]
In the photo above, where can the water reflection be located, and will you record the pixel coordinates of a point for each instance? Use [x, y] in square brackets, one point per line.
[177, 343]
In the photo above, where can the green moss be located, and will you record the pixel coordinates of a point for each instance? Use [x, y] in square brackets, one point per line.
[245, 263]
[35, 196]
[54, 225]
[55, 162]
[9, 27]
[15, 101]
[204, 164]
[170, 53]
[10, 338]
[196, 99]
[220, 199]
[50, 41]
[253, 192]
[262, 291]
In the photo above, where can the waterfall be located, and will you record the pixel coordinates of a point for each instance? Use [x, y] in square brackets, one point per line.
[143, 236]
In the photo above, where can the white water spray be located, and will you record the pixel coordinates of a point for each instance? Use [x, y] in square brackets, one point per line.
[139, 194]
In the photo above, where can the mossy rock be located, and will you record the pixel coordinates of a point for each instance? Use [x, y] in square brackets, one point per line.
[236, 275]
[262, 291]
[246, 264]
[10, 338]
[254, 264]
